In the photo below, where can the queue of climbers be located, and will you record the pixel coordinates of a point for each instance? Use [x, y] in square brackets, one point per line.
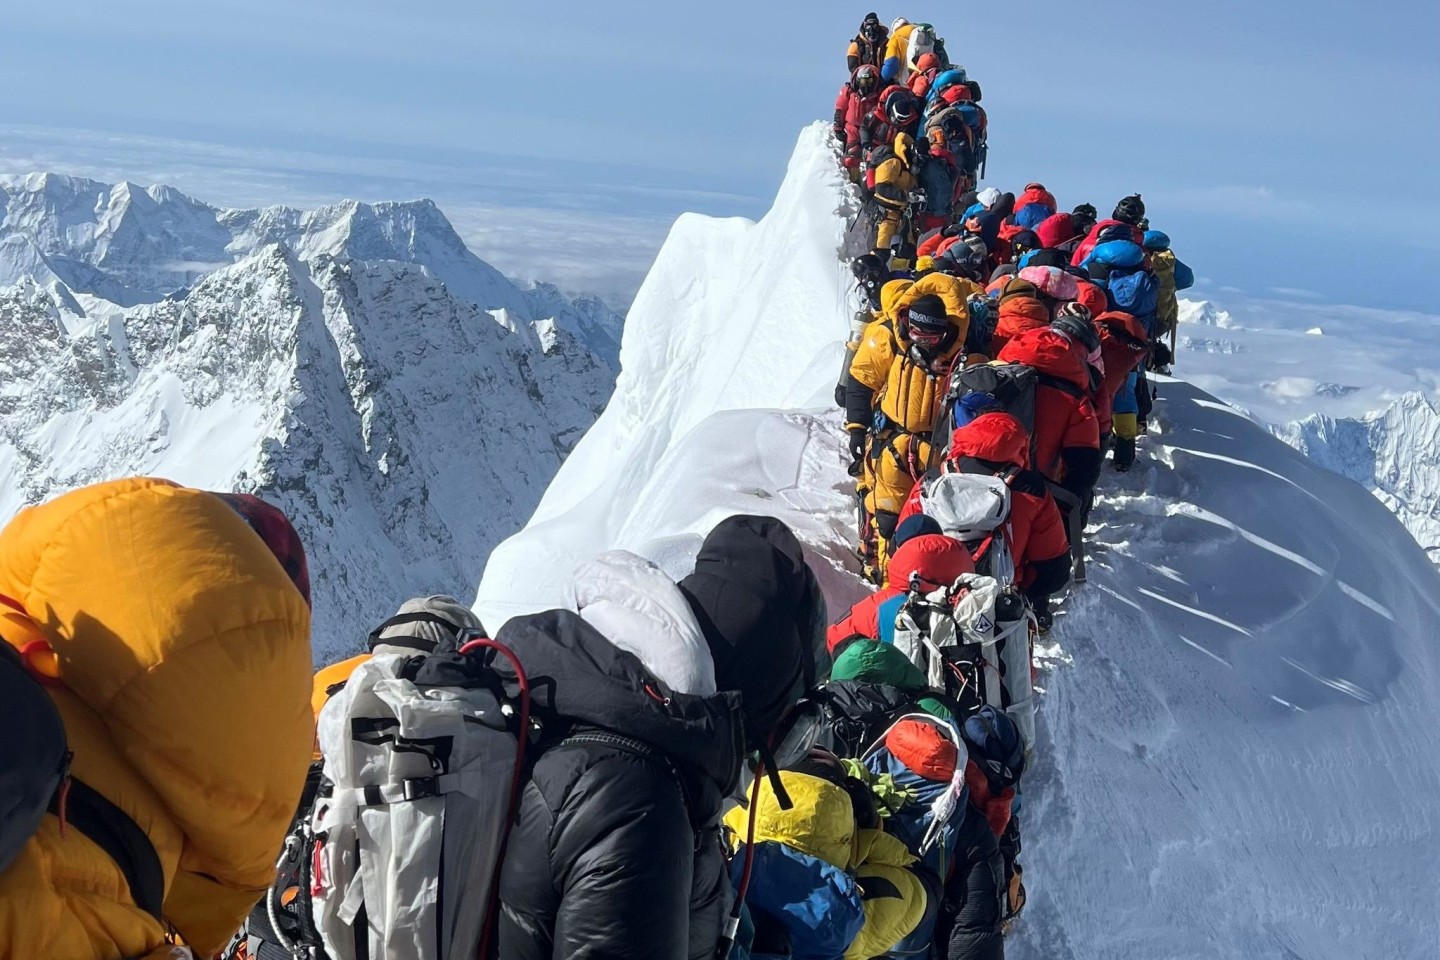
[691, 768]
[701, 768]
[998, 353]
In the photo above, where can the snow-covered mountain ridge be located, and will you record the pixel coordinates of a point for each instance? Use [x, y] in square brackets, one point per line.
[403, 402]
[1237, 749]
[129, 245]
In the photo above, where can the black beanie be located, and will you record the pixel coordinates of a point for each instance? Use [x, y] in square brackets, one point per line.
[928, 311]
[762, 614]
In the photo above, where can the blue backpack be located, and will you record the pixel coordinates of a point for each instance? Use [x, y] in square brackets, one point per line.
[1135, 291]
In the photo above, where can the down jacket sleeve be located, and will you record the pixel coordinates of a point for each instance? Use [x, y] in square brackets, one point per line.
[974, 893]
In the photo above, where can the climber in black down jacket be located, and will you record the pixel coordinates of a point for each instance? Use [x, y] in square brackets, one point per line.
[616, 852]
[970, 917]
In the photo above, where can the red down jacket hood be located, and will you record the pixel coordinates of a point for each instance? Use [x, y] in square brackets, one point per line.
[997, 437]
[1049, 352]
[937, 558]
[1055, 230]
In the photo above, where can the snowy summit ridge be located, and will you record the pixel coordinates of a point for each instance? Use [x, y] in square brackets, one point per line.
[401, 400]
[1236, 750]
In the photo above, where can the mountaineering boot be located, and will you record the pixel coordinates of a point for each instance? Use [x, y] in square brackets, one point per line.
[1044, 619]
[1124, 448]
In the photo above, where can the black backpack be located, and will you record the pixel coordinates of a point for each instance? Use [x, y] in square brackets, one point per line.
[34, 758]
[857, 713]
[1011, 384]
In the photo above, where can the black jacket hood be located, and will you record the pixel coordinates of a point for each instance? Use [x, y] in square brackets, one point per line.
[762, 613]
[579, 676]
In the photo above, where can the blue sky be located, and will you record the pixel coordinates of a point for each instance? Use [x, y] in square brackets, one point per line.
[1287, 147]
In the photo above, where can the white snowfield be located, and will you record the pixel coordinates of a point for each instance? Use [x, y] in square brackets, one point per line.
[1238, 731]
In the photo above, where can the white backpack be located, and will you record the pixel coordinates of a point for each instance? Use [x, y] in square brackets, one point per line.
[922, 41]
[980, 623]
[410, 829]
[974, 508]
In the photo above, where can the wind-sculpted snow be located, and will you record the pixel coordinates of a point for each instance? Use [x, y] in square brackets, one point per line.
[1238, 754]
[399, 425]
[731, 350]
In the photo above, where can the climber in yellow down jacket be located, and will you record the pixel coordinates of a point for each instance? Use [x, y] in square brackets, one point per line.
[892, 400]
[827, 881]
[170, 628]
[895, 179]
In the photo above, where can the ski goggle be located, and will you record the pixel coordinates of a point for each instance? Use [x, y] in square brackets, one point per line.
[927, 339]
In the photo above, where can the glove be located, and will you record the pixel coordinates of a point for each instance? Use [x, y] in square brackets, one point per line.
[1015, 898]
[857, 444]
[839, 130]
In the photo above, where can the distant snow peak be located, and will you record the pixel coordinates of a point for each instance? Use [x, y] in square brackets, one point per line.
[402, 401]
[1205, 313]
[1395, 453]
[124, 245]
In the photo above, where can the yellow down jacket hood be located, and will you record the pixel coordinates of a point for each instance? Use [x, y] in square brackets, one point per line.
[183, 659]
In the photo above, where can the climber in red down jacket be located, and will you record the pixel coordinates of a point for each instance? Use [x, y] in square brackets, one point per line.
[1123, 347]
[996, 444]
[1067, 431]
[920, 548]
[858, 96]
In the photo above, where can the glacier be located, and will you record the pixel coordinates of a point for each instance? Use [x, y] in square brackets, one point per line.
[400, 400]
[1238, 749]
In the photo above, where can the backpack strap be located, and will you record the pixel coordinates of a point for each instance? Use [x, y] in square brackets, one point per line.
[112, 830]
[1059, 383]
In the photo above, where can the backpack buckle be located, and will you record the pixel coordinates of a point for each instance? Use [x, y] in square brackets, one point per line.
[421, 788]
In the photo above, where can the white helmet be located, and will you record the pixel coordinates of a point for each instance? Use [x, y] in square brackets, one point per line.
[897, 23]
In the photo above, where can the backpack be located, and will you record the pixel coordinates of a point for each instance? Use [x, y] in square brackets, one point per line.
[877, 156]
[973, 641]
[1136, 292]
[398, 852]
[974, 508]
[1007, 386]
[34, 758]
[922, 41]
[857, 712]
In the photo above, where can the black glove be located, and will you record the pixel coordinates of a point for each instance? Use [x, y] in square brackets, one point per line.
[857, 443]
[1160, 355]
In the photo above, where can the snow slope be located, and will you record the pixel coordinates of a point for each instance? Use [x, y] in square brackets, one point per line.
[1239, 752]
[729, 354]
[404, 428]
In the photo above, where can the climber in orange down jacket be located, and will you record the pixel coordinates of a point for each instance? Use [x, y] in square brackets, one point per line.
[148, 617]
